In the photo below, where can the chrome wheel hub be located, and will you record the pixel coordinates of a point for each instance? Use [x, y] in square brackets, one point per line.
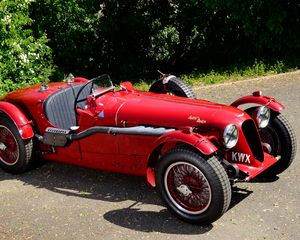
[2, 146]
[184, 189]
[267, 147]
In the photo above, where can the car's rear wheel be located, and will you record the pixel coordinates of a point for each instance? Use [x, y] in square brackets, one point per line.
[174, 86]
[196, 190]
[15, 153]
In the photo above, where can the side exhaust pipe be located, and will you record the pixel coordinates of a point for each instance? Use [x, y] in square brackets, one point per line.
[139, 130]
[61, 137]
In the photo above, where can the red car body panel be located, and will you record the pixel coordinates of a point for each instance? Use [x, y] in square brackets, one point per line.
[261, 100]
[197, 123]
[19, 119]
[253, 171]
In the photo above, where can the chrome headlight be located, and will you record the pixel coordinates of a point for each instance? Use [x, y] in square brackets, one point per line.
[230, 135]
[262, 116]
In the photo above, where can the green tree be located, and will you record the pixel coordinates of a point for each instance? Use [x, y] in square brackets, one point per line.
[132, 39]
[71, 28]
[24, 59]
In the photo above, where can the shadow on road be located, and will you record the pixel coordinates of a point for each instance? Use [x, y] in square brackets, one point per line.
[260, 179]
[112, 187]
[238, 195]
[148, 221]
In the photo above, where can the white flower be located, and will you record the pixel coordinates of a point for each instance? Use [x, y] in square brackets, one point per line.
[24, 58]
[34, 55]
[6, 19]
[17, 45]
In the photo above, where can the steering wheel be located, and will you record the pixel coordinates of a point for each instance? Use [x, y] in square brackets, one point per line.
[93, 84]
[79, 100]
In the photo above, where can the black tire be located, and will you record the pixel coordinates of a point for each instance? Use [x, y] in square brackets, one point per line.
[15, 153]
[281, 139]
[174, 86]
[184, 177]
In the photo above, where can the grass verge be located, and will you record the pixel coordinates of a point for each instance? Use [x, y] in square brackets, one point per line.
[235, 73]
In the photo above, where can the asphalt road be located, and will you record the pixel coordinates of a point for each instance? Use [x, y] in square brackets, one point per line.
[58, 201]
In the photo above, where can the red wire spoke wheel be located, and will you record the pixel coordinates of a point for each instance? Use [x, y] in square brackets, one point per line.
[194, 188]
[187, 187]
[15, 152]
[9, 150]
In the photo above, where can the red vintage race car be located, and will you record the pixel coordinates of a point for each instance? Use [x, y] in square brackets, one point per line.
[191, 150]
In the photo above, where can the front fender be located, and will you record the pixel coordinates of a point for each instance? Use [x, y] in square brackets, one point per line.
[203, 144]
[197, 141]
[19, 119]
[261, 100]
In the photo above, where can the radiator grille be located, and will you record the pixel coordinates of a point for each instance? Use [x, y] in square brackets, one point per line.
[253, 139]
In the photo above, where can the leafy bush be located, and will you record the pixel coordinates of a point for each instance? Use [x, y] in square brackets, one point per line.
[24, 59]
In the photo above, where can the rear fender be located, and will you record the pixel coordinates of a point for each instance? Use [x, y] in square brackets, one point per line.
[261, 100]
[169, 140]
[18, 118]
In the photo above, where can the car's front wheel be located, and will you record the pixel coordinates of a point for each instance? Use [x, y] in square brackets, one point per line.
[280, 139]
[195, 189]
